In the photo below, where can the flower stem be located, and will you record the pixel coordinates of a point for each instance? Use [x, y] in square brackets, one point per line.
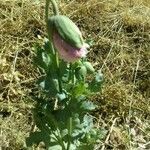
[69, 133]
[58, 72]
[46, 18]
[56, 12]
[71, 74]
[55, 7]
[46, 11]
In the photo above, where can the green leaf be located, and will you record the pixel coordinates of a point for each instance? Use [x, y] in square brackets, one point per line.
[36, 138]
[58, 147]
[99, 77]
[41, 122]
[79, 89]
[95, 85]
[87, 105]
[61, 96]
[85, 147]
[49, 84]
[63, 68]
[87, 123]
[51, 121]
[101, 134]
[55, 147]
[46, 59]
[81, 72]
[42, 59]
[48, 46]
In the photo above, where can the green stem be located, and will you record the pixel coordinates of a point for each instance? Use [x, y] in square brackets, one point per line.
[71, 74]
[58, 72]
[46, 11]
[46, 20]
[69, 133]
[55, 7]
[56, 12]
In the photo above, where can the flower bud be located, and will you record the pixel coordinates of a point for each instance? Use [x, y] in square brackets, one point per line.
[89, 67]
[67, 38]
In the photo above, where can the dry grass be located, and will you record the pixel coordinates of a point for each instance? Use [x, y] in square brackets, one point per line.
[120, 32]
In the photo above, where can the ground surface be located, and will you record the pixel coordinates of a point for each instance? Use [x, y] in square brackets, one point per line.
[120, 33]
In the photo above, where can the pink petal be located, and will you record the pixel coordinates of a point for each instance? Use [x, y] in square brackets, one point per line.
[66, 51]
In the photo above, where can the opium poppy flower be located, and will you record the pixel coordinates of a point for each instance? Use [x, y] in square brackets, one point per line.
[67, 38]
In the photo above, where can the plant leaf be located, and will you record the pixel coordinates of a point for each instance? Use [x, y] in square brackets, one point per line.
[36, 138]
[95, 85]
[87, 105]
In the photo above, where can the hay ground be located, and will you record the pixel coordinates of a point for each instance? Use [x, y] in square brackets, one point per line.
[120, 34]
